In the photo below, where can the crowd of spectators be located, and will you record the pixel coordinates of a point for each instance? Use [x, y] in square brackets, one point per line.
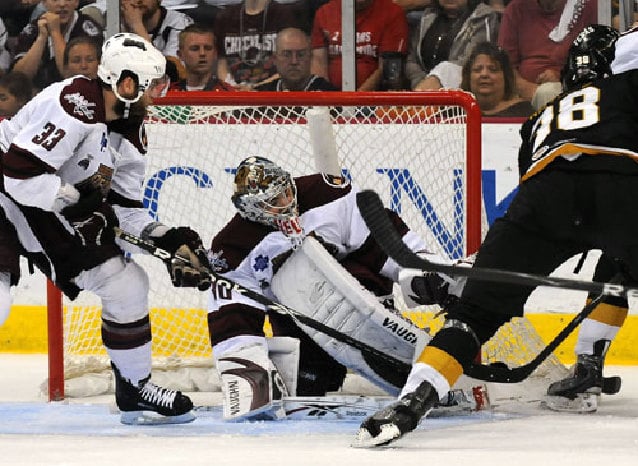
[508, 53]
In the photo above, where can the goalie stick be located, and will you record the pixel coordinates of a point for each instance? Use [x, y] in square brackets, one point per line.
[271, 306]
[388, 238]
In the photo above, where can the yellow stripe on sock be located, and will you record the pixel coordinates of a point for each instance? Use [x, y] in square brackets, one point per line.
[445, 364]
[609, 314]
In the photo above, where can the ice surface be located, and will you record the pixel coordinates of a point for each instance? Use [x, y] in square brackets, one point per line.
[34, 432]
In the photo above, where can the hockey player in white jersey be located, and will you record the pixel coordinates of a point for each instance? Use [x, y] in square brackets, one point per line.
[302, 242]
[72, 169]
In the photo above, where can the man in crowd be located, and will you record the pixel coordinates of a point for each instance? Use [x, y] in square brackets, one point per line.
[292, 60]
[199, 56]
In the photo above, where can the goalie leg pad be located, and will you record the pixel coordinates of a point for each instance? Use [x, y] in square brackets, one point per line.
[315, 284]
[251, 385]
[284, 353]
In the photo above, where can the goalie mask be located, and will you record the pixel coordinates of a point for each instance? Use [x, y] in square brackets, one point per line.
[589, 56]
[266, 193]
[127, 54]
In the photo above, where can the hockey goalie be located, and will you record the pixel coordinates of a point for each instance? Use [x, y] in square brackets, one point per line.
[303, 243]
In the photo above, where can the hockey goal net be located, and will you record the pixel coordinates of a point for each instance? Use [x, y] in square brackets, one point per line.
[420, 151]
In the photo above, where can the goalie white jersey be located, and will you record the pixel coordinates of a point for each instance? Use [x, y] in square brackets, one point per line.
[250, 253]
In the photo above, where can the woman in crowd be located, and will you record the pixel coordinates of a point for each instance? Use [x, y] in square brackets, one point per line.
[81, 56]
[444, 38]
[489, 76]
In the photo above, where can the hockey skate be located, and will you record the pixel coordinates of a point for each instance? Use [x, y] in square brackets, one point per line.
[580, 392]
[149, 404]
[397, 419]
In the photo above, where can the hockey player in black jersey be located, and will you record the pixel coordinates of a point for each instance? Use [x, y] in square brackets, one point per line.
[588, 60]
[578, 193]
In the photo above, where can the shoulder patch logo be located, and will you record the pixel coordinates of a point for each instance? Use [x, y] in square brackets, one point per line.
[82, 106]
[261, 263]
[217, 262]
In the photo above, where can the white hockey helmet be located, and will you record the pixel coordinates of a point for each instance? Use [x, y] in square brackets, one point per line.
[127, 54]
[264, 192]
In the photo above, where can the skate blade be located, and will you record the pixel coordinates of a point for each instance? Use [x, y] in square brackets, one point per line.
[150, 418]
[388, 434]
[583, 403]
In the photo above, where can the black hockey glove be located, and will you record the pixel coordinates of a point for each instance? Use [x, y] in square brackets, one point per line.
[431, 288]
[188, 266]
[92, 219]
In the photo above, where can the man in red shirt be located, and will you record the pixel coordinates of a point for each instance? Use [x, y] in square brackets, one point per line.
[380, 26]
[536, 35]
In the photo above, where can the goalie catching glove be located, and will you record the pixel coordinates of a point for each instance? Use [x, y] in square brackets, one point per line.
[188, 264]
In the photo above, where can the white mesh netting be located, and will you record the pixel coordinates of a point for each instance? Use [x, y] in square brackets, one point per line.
[414, 156]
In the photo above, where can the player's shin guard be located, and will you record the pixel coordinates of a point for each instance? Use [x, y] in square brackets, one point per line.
[251, 385]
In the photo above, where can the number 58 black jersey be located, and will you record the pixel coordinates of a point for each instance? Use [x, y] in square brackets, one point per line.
[599, 119]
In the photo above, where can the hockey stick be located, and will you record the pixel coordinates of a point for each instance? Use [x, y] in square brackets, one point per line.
[382, 229]
[388, 238]
[271, 306]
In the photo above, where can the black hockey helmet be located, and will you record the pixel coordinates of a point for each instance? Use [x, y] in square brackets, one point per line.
[589, 56]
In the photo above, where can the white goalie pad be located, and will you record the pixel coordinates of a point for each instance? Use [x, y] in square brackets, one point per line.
[284, 353]
[312, 282]
[251, 385]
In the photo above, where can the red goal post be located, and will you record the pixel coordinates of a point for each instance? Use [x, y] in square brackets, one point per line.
[420, 150]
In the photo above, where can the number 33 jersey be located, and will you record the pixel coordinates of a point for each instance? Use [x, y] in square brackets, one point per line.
[59, 136]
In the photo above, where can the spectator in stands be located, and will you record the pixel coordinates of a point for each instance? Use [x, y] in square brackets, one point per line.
[82, 56]
[40, 45]
[16, 14]
[380, 26]
[489, 76]
[150, 20]
[413, 9]
[15, 91]
[536, 35]
[443, 40]
[292, 60]
[5, 56]
[246, 35]
[199, 55]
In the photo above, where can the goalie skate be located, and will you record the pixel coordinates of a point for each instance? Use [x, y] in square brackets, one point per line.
[149, 404]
